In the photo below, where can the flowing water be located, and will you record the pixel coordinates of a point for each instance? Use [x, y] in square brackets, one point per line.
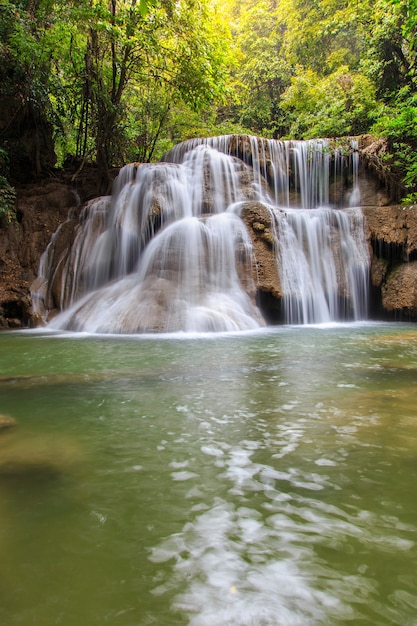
[165, 252]
[261, 478]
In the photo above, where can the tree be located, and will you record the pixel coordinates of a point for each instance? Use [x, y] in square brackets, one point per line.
[106, 73]
[116, 80]
[340, 104]
[131, 61]
[26, 132]
[399, 122]
[385, 58]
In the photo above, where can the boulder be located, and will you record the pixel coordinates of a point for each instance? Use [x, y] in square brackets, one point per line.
[24, 457]
[6, 423]
[399, 291]
[392, 235]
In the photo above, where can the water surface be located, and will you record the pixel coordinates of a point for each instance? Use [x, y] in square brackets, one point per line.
[263, 478]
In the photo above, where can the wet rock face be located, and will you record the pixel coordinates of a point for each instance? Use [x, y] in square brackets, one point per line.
[387, 188]
[399, 291]
[392, 235]
[371, 191]
[40, 209]
[261, 230]
[265, 274]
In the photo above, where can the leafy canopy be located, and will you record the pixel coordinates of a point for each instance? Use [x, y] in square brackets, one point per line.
[118, 80]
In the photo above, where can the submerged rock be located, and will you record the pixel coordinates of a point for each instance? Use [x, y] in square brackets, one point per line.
[6, 423]
[36, 458]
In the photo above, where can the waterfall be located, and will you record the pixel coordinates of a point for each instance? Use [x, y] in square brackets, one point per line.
[170, 252]
[323, 260]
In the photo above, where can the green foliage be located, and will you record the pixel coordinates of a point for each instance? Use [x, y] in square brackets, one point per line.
[7, 192]
[129, 63]
[285, 46]
[342, 103]
[386, 59]
[399, 125]
[106, 75]
[409, 11]
[319, 32]
[261, 73]
[122, 80]
[7, 201]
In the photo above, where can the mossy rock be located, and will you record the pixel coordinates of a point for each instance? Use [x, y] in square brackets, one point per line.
[6, 423]
[269, 237]
[33, 458]
[258, 227]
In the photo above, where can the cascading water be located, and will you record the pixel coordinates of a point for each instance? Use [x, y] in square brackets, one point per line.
[323, 265]
[170, 252]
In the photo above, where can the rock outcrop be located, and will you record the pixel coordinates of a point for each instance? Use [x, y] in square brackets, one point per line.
[265, 269]
[40, 209]
[374, 158]
[392, 234]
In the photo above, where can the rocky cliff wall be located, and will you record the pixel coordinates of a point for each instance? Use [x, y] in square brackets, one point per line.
[40, 209]
[392, 235]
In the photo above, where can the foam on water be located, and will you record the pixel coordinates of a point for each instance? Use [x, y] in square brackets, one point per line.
[253, 553]
[233, 565]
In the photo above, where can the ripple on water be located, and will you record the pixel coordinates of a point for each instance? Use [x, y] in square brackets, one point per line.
[236, 568]
[242, 565]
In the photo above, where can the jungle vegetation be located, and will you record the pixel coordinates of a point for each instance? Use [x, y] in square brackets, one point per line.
[114, 81]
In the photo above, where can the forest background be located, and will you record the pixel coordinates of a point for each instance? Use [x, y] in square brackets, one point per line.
[107, 82]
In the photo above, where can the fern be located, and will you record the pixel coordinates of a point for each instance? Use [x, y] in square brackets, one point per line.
[7, 201]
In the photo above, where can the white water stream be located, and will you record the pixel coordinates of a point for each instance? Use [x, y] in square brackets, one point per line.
[168, 250]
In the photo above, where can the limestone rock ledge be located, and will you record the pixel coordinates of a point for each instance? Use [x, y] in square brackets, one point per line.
[392, 236]
[265, 271]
